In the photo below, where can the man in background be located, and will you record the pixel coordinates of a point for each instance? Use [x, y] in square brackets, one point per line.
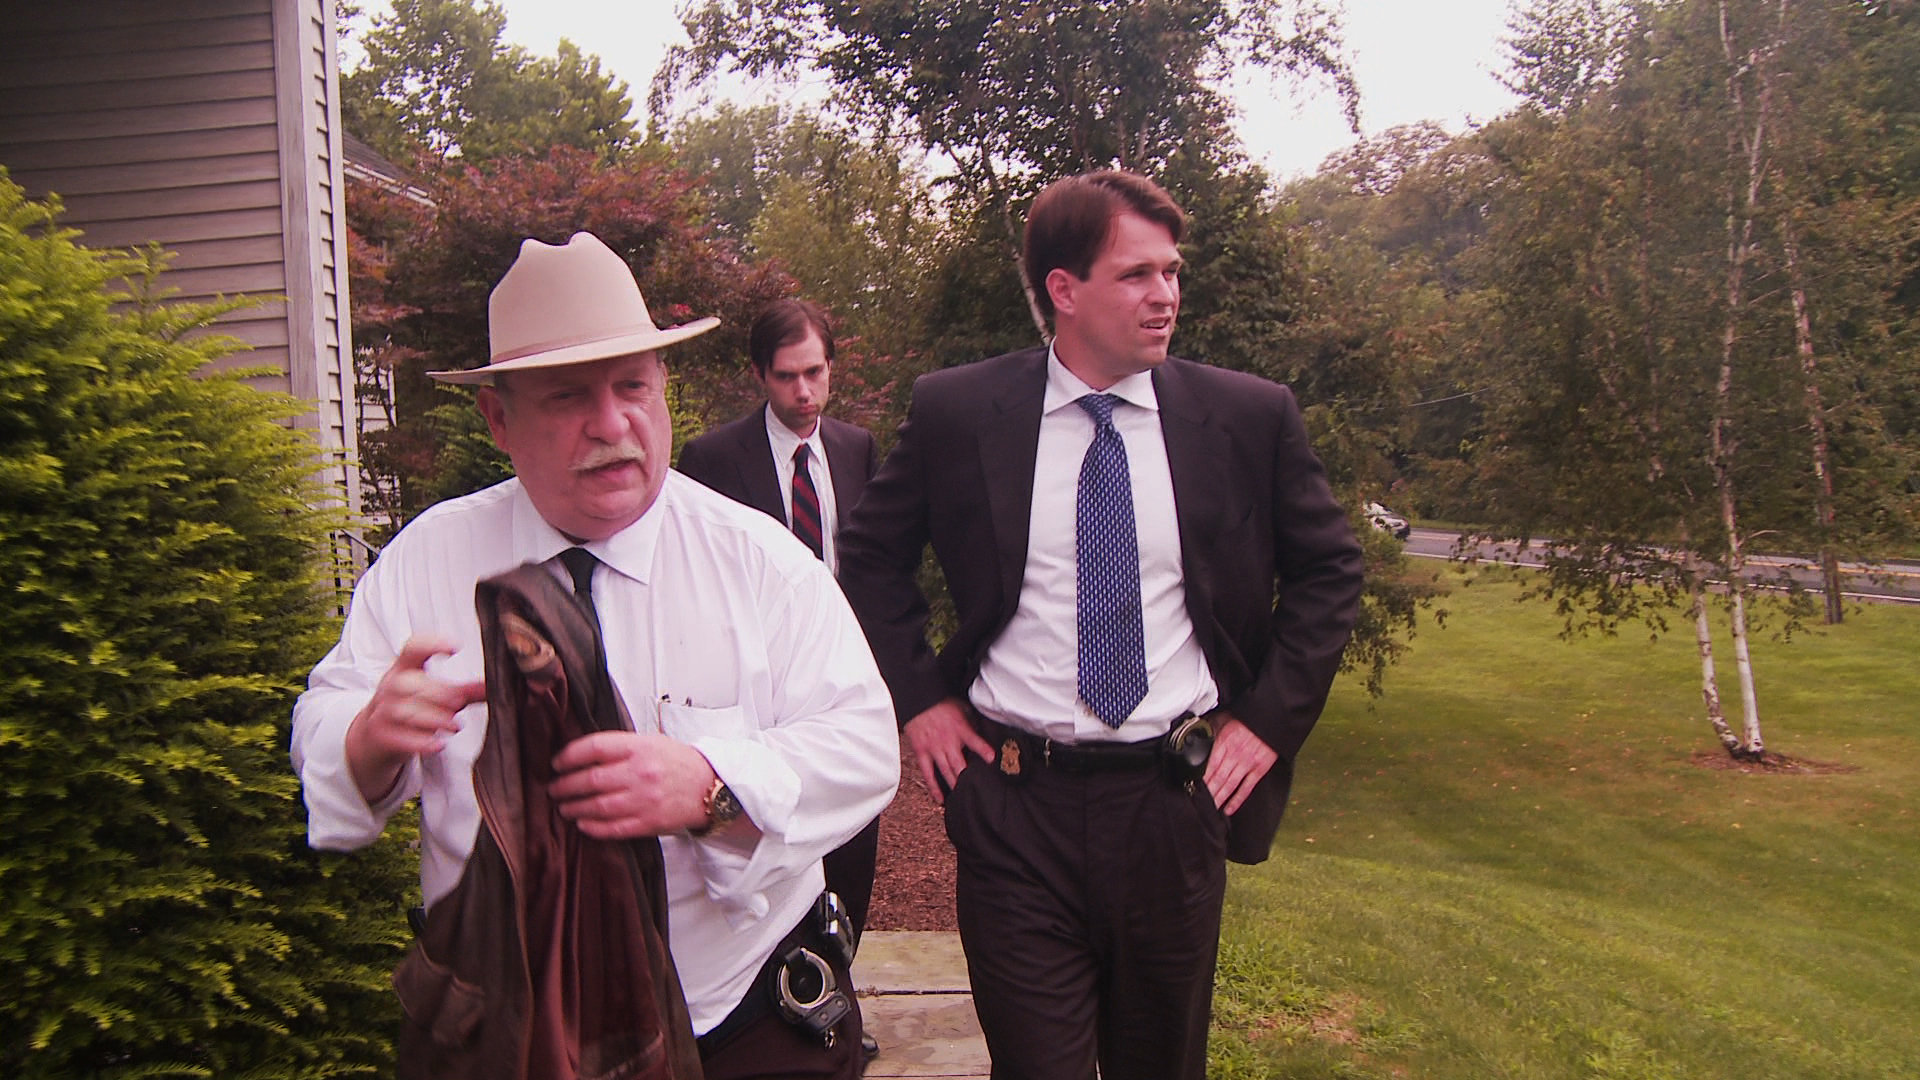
[797, 465]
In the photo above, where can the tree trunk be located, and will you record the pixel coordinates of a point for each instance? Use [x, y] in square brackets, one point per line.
[1020, 265]
[987, 188]
[1709, 680]
[1817, 424]
[1026, 289]
[1751, 744]
[1740, 213]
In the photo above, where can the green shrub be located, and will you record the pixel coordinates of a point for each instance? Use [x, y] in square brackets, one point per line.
[163, 555]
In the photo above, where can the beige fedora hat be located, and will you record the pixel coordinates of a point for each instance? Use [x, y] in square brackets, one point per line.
[567, 305]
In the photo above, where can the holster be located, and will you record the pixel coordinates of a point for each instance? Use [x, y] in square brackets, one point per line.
[823, 932]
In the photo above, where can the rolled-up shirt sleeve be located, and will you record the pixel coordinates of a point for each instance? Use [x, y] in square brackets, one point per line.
[379, 621]
[819, 757]
[338, 817]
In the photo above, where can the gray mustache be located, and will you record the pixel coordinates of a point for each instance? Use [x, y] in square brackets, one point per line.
[610, 455]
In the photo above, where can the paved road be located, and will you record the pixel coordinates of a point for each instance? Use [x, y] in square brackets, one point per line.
[1893, 582]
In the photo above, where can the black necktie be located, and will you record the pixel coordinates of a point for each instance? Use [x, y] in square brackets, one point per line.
[580, 563]
[806, 505]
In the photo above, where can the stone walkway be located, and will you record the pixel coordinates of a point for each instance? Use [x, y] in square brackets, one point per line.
[915, 1000]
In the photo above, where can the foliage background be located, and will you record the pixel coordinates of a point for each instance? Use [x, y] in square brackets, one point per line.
[1514, 327]
[165, 551]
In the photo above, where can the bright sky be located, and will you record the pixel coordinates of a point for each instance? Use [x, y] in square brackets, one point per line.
[1415, 60]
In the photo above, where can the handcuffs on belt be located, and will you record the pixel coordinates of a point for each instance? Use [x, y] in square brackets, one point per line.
[803, 985]
[1186, 751]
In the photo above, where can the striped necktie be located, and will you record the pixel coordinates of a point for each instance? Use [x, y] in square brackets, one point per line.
[806, 505]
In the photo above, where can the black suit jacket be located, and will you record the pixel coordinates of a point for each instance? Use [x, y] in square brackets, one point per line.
[1273, 572]
[736, 460]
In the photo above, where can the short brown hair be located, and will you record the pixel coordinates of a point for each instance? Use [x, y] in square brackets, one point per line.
[1071, 220]
[784, 323]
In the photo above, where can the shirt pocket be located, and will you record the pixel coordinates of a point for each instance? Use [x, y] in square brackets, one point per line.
[686, 723]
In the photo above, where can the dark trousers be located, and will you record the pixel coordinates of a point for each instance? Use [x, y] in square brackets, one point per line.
[1089, 909]
[849, 870]
[772, 1049]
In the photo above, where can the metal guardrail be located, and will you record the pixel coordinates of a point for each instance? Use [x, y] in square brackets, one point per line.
[357, 540]
[1869, 574]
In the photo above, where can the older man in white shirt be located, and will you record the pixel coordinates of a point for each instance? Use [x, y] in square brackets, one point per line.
[763, 736]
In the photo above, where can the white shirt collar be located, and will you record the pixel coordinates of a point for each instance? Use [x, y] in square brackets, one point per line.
[629, 551]
[1064, 387]
[784, 441]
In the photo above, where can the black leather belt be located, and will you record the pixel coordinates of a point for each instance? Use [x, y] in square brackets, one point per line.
[1017, 751]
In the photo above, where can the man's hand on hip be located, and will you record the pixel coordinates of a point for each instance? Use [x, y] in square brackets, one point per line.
[411, 713]
[940, 738]
[1239, 761]
[621, 784]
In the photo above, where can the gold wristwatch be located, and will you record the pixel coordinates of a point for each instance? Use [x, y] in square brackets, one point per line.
[721, 807]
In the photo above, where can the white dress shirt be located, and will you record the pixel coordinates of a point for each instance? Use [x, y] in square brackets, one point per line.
[720, 631]
[784, 442]
[1030, 678]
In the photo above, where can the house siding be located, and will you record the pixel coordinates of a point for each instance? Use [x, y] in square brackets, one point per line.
[314, 223]
[210, 127]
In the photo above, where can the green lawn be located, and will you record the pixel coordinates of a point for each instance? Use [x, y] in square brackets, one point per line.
[1510, 867]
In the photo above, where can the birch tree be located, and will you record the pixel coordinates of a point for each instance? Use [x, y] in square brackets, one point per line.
[1842, 241]
[1613, 430]
[1658, 283]
[1750, 92]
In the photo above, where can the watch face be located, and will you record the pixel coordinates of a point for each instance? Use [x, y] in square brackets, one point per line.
[725, 806]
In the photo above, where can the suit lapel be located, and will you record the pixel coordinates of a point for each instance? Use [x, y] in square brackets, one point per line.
[845, 478]
[757, 475]
[1196, 452]
[1009, 440]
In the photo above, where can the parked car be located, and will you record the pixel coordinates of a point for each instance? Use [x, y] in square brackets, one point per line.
[1387, 521]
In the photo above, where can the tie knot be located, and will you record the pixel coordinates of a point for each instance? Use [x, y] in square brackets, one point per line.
[580, 563]
[800, 454]
[1100, 407]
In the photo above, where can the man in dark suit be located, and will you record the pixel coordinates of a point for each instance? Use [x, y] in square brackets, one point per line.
[1154, 587]
[798, 466]
[751, 459]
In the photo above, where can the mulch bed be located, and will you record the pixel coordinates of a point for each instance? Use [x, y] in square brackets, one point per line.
[913, 887]
[1768, 763]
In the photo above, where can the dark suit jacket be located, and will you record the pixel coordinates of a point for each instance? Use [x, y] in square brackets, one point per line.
[1273, 572]
[736, 460]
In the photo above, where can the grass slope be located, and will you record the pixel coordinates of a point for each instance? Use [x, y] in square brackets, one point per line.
[1511, 866]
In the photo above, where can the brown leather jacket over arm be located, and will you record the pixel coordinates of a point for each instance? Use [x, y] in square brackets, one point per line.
[549, 959]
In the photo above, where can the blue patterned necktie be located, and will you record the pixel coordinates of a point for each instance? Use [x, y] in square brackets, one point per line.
[1113, 655]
